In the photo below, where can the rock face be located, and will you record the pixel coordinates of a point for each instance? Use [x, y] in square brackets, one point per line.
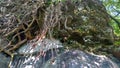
[83, 21]
[4, 61]
[35, 57]
[32, 61]
[90, 20]
[69, 59]
[80, 59]
[44, 45]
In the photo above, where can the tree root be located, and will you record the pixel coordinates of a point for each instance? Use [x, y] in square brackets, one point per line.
[17, 45]
[12, 47]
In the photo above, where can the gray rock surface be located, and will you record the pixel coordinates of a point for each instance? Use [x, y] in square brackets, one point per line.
[80, 59]
[32, 61]
[44, 45]
[4, 61]
[35, 57]
[68, 59]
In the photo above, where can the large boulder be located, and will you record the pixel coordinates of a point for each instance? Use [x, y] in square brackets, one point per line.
[31, 56]
[67, 59]
[80, 59]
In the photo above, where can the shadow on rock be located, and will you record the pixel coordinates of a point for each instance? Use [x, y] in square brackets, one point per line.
[80, 59]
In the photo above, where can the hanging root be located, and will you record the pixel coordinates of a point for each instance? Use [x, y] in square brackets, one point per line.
[65, 24]
[12, 47]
